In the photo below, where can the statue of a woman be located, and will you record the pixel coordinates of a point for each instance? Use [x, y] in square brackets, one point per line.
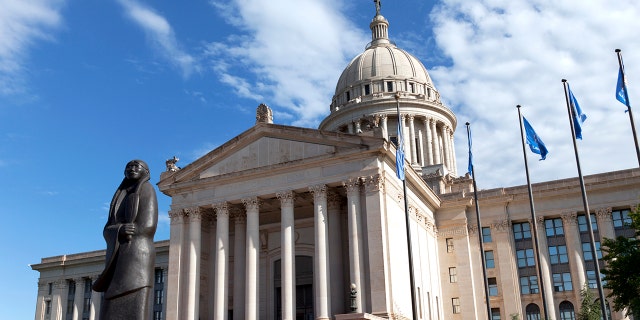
[127, 279]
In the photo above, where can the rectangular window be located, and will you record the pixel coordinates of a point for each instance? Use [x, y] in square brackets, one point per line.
[456, 305]
[495, 313]
[588, 254]
[412, 87]
[50, 288]
[348, 95]
[562, 282]
[71, 294]
[582, 223]
[621, 218]
[158, 297]
[486, 234]
[591, 279]
[157, 315]
[521, 231]
[87, 286]
[558, 254]
[86, 306]
[488, 257]
[159, 275]
[367, 90]
[47, 307]
[453, 275]
[493, 286]
[553, 227]
[389, 86]
[449, 244]
[525, 258]
[529, 284]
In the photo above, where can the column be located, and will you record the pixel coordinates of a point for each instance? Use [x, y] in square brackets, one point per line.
[420, 143]
[193, 281]
[239, 256]
[176, 236]
[211, 279]
[436, 143]
[574, 251]
[321, 259]
[252, 256]
[605, 224]
[383, 125]
[407, 139]
[412, 139]
[78, 299]
[445, 147]
[222, 260]
[335, 253]
[429, 141]
[288, 255]
[546, 268]
[96, 300]
[58, 301]
[40, 304]
[454, 163]
[355, 238]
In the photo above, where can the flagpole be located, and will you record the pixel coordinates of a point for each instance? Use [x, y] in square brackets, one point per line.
[626, 99]
[407, 221]
[585, 203]
[482, 257]
[533, 222]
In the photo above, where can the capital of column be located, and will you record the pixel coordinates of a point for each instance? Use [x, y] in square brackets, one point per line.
[193, 213]
[411, 117]
[286, 197]
[221, 208]
[570, 218]
[60, 284]
[539, 223]
[374, 183]
[251, 203]
[472, 229]
[239, 216]
[503, 225]
[333, 200]
[604, 214]
[319, 192]
[352, 185]
[176, 216]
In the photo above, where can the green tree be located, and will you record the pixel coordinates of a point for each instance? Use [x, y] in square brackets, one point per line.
[589, 307]
[621, 272]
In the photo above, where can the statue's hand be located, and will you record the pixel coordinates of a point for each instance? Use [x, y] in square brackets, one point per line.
[127, 231]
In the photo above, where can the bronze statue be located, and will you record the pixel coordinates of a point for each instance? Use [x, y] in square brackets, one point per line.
[127, 279]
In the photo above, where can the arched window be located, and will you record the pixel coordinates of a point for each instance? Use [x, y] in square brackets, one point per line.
[566, 311]
[533, 312]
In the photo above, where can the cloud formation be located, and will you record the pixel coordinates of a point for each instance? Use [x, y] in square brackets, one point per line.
[161, 35]
[22, 24]
[506, 53]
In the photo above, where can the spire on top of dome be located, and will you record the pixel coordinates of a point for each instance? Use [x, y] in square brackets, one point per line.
[379, 28]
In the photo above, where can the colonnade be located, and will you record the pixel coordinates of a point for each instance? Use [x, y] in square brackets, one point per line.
[186, 238]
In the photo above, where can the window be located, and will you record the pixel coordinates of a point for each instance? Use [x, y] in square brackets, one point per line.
[566, 311]
[157, 315]
[488, 257]
[562, 282]
[553, 227]
[50, 288]
[453, 275]
[486, 234]
[159, 275]
[588, 254]
[412, 87]
[158, 296]
[525, 258]
[456, 305]
[533, 311]
[71, 294]
[348, 95]
[449, 244]
[522, 230]
[558, 254]
[529, 284]
[367, 90]
[389, 86]
[87, 285]
[582, 223]
[47, 307]
[493, 287]
[495, 313]
[86, 305]
[591, 279]
[621, 218]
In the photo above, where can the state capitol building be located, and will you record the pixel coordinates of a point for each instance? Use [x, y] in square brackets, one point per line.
[285, 222]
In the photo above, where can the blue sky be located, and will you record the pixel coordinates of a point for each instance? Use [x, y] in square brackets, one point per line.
[86, 86]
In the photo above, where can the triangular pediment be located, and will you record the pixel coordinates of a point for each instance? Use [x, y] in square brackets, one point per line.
[270, 146]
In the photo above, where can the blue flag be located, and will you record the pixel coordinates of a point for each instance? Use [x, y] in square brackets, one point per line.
[470, 168]
[578, 116]
[400, 154]
[621, 89]
[533, 140]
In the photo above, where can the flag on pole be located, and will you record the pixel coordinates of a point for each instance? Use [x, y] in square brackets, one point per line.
[470, 168]
[533, 140]
[578, 116]
[621, 88]
[400, 154]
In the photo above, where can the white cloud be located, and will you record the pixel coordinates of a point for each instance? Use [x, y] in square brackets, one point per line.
[506, 53]
[22, 24]
[290, 61]
[161, 34]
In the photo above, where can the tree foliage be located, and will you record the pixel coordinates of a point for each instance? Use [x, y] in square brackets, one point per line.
[621, 272]
[589, 306]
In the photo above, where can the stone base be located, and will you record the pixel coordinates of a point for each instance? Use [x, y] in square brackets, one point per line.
[356, 316]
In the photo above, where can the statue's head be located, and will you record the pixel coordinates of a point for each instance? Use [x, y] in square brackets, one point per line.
[136, 170]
